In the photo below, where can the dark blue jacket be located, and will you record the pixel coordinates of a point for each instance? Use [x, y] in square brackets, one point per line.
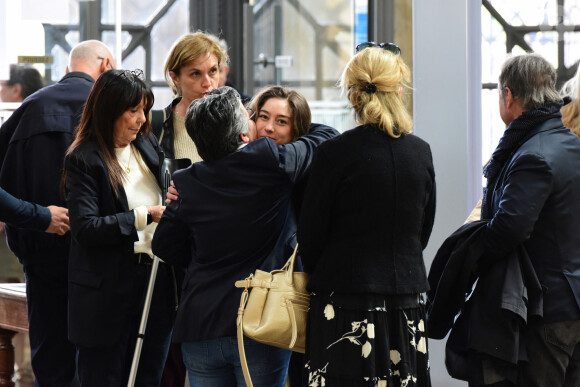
[231, 218]
[19, 213]
[33, 142]
[535, 202]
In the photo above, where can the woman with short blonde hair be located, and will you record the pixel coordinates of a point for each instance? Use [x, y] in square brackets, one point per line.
[191, 71]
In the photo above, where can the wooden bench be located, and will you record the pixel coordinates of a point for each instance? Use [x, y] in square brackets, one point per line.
[13, 319]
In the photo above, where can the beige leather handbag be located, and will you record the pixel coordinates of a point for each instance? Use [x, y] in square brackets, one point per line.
[275, 311]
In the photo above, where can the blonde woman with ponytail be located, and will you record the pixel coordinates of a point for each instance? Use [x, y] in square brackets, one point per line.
[367, 215]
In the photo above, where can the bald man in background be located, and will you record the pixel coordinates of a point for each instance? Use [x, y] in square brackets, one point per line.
[33, 142]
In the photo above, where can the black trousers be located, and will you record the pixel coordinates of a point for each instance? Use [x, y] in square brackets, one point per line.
[110, 366]
[52, 355]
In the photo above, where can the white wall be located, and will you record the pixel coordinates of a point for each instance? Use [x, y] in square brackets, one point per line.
[447, 82]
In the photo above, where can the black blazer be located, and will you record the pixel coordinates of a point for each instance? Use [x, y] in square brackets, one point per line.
[102, 261]
[232, 217]
[535, 202]
[367, 213]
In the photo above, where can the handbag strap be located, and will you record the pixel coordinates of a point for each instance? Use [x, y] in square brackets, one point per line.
[289, 266]
[241, 349]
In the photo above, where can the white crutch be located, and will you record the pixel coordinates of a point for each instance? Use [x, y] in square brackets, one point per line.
[143, 325]
[167, 168]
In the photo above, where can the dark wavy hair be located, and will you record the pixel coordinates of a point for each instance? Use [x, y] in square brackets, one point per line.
[114, 92]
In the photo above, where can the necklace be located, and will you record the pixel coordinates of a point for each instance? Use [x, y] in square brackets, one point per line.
[127, 167]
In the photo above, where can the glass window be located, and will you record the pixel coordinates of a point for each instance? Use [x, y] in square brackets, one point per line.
[319, 37]
[53, 11]
[165, 33]
[132, 12]
[527, 12]
[168, 20]
[571, 44]
[539, 23]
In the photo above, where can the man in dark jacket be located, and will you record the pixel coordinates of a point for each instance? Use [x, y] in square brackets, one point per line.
[533, 180]
[33, 142]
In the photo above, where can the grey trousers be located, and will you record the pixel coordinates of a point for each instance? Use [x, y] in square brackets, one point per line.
[554, 358]
[554, 353]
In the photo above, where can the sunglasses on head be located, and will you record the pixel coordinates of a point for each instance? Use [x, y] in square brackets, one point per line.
[391, 47]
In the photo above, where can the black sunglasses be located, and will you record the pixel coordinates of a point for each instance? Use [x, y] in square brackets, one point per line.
[391, 47]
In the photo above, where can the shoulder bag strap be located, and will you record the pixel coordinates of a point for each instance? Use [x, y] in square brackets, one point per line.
[158, 117]
[241, 349]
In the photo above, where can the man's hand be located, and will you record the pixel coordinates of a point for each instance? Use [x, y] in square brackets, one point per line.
[172, 194]
[59, 223]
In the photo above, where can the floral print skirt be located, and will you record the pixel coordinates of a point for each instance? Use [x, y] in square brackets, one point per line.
[366, 340]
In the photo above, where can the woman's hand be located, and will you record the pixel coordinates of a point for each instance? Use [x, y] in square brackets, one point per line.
[156, 212]
[172, 194]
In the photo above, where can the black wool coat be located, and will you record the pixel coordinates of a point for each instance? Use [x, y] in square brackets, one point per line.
[367, 213]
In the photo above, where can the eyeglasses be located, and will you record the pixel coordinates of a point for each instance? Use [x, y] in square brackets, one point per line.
[390, 47]
[108, 64]
[251, 113]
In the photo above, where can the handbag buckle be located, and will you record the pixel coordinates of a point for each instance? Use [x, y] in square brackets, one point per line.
[249, 282]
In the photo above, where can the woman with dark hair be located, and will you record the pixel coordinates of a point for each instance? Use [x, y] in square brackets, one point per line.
[367, 215]
[114, 200]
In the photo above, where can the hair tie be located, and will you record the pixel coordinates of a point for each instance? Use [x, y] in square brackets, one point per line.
[371, 88]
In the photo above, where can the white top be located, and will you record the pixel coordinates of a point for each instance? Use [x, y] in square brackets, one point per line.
[142, 190]
[184, 146]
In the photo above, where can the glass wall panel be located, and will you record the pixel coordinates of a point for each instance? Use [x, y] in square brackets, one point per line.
[53, 11]
[571, 12]
[493, 47]
[545, 44]
[319, 39]
[539, 24]
[571, 45]
[527, 12]
[164, 33]
[132, 11]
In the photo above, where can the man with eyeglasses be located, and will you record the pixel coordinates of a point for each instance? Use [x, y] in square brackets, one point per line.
[33, 142]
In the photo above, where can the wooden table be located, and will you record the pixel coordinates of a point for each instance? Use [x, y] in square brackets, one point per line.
[13, 318]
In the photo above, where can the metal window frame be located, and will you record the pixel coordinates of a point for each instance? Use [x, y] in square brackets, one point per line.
[515, 37]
